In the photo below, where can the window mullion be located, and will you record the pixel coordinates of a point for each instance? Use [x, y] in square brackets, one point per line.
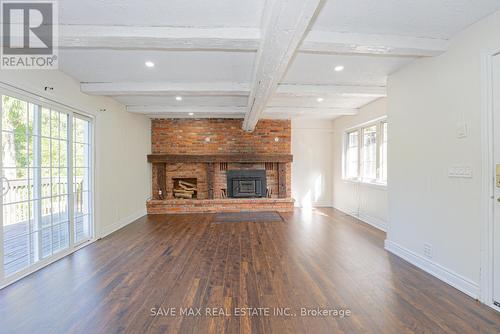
[378, 146]
[37, 179]
[71, 201]
[360, 154]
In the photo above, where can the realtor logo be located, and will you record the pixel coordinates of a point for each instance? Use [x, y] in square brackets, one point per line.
[29, 35]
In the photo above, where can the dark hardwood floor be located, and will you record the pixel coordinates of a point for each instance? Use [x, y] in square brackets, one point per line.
[320, 259]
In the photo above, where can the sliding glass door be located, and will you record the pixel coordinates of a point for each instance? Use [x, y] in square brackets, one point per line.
[81, 178]
[46, 183]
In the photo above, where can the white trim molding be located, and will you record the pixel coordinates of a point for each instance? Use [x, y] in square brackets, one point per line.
[378, 223]
[487, 181]
[446, 275]
[107, 230]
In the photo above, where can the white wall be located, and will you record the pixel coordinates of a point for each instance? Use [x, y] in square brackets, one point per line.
[367, 202]
[122, 180]
[312, 151]
[426, 101]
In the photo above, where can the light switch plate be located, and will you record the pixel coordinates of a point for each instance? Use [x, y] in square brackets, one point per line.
[460, 172]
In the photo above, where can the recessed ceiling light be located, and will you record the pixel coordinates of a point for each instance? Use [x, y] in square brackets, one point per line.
[320, 99]
[339, 68]
[178, 98]
[149, 64]
[191, 114]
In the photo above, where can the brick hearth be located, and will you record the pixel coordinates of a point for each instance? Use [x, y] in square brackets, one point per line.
[204, 149]
[219, 205]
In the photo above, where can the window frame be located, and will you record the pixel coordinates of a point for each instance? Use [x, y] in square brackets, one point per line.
[43, 102]
[383, 139]
[360, 128]
[346, 148]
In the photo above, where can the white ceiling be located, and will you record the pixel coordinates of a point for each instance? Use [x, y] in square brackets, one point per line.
[420, 18]
[163, 13]
[171, 66]
[210, 52]
[313, 68]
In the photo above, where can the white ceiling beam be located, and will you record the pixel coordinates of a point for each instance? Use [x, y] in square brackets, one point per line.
[239, 39]
[197, 115]
[325, 90]
[309, 111]
[157, 38]
[166, 88]
[185, 110]
[284, 25]
[160, 111]
[372, 44]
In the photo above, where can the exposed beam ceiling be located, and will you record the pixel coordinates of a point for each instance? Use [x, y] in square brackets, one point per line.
[323, 90]
[166, 88]
[188, 109]
[155, 111]
[309, 111]
[372, 44]
[223, 89]
[287, 58]
[240, 39]
[284, 26]
[198, 115]
[158, 38]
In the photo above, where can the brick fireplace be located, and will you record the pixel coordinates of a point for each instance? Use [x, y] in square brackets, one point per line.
[192, 159]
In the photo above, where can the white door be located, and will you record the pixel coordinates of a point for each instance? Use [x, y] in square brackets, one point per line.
[496, 145]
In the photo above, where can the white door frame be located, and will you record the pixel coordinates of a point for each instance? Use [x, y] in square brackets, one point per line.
[488, 178]
[36, 99]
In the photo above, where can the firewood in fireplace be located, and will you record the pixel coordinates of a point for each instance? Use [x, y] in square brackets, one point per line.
[183, 195]
[186, 185]
[182, 191]
[185, 188]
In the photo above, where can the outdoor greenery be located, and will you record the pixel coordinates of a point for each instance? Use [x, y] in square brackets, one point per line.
[19, 139]
[16, 143]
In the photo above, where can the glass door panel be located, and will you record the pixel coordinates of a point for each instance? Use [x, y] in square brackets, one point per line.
[41, 205]
[82, 177]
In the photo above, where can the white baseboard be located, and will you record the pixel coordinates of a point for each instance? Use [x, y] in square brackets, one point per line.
[122, 222]
[373, 221]
[313, 205]
[370, 220]
[446, 275]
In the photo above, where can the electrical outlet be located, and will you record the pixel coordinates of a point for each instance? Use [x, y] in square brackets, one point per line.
[462, 130]
[428, 251]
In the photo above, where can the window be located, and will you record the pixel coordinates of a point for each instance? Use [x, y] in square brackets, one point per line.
[352, 155]
[40, 146]
[365, 154]
[369, 160]
[383, 153]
